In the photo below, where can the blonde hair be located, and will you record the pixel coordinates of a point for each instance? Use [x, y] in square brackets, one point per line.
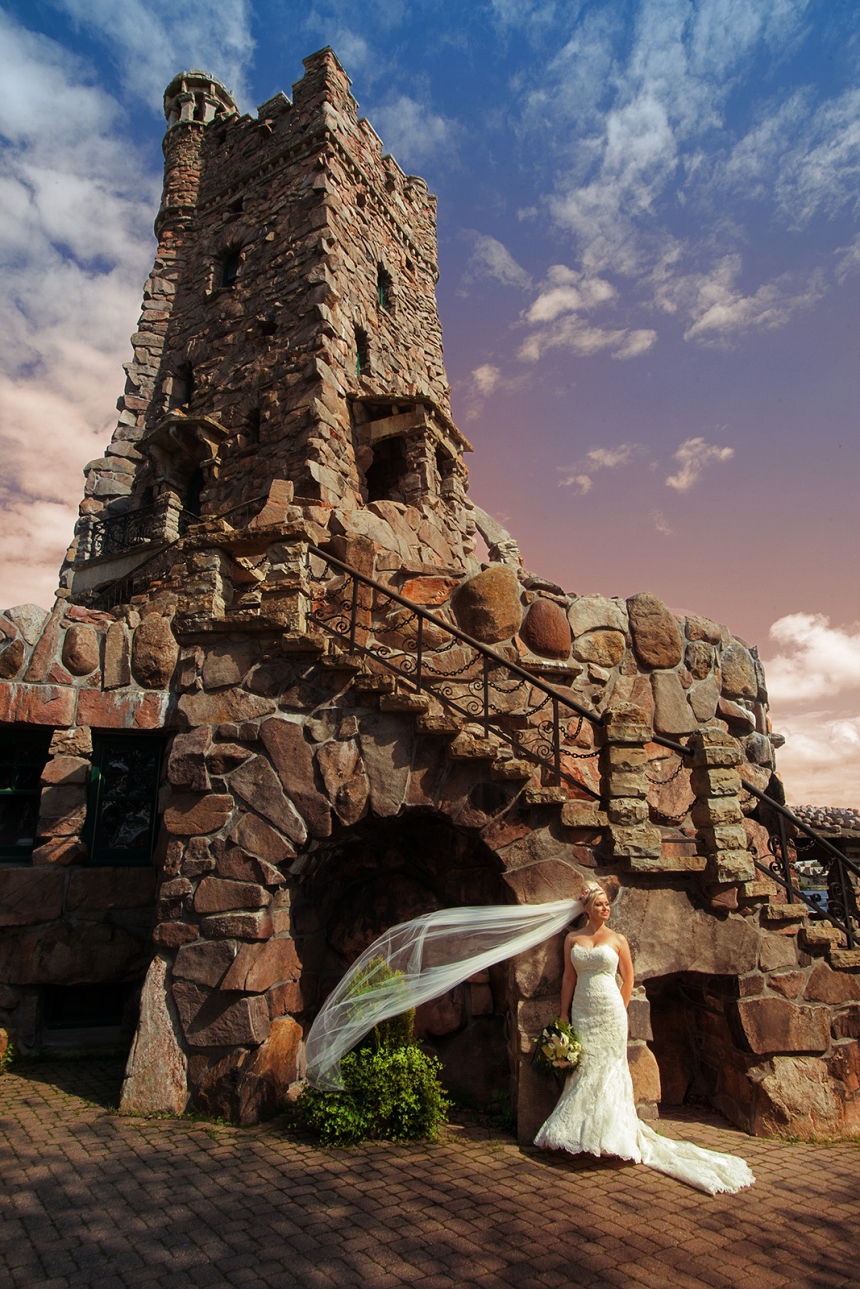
[589, 895]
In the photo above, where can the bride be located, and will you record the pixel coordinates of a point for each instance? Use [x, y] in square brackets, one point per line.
[422, 959]
[596, 1111]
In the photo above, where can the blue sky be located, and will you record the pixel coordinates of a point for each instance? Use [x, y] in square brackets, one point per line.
[650, 256]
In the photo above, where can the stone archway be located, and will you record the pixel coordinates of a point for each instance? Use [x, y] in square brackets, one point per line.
[385, 871]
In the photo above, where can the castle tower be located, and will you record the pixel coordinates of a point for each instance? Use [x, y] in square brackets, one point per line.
[289, 333]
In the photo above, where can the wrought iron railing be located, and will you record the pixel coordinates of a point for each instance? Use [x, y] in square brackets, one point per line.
[347, 614]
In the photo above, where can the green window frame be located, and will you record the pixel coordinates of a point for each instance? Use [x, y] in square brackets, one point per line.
[122, 807]
[23, 754]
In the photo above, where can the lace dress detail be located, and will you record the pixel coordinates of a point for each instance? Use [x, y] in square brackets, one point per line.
[596, 1112]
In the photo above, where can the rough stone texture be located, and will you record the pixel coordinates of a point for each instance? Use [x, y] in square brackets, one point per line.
[192, 816]
[698, 628]
[154, 652]
[645, 1074]
[205, 962]
[672, 712]
[228, 664]
[29, 619]
[259, 786]
[738, 672]
[656, 635]
[11, 659]
[605, 648]
[293, 759]
[546, 631]
[81, 649]
[488, 605]
[219, 895]
[668, 934]
[255, 835]
[87, 953]
[186, 765]
[110, 888]
[776, 1025]
[704, 698]
[117, 663]
[156, 1076]
[386, 749]
[30, 895]
[259, 966]
[828, 986]
[215, 1020]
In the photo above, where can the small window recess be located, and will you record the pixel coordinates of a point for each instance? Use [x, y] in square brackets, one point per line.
[183, 386]
[230, 267]
[267, 325]
[199, 107]
[23, 754]
[252, 429]
[236, 207]
[384, 475]
[362, 352]
[194, 492]
[122, 809]
[384, 284]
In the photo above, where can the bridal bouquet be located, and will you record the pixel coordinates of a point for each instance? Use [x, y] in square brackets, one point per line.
[558, 1048]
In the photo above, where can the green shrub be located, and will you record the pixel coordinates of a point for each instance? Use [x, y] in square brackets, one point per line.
[392, 1089]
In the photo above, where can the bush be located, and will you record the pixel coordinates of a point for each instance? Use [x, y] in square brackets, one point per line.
[392, 1089]
[391, 1095]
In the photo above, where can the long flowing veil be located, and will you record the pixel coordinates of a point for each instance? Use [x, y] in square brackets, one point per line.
[430, 954]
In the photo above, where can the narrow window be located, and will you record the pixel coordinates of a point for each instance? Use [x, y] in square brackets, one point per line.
[183, 386]
[253, 426]
[383, 287]
[385, 473]
[193, 492]
[362, 356]
[123, 804]
[230, 268]
[23, 754]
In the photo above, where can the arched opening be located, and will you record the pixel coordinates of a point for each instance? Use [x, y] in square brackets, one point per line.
[230, 261]
[692, 1037]
[194, 492]
[183, 386]
[386, 871]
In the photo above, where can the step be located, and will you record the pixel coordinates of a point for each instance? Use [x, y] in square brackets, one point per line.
[546, 796]
[374, 683]
[301, 642]
[758, 889]
[846, 959]
[510, 770]
[471, 747]
[342, 662]
[400, 702]
[785, 912]
[819, 937]
[442, 726]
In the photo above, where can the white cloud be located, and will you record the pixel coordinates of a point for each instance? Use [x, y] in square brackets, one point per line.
[486, 380]
[820, 763]
[152, 40]
[849, 260]
[579, 475]
[491, 258]
[815, 659]
[555, 313]
[661, 523]
[693, 456]
[411, 131]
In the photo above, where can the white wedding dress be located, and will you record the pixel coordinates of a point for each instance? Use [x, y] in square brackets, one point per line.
[596, 1111]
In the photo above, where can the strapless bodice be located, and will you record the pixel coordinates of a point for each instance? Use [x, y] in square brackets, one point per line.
[594, 960]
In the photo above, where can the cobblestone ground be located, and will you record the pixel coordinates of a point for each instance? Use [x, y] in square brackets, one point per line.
[90, 1198]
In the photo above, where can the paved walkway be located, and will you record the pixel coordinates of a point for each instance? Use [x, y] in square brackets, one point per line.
[89, 1198]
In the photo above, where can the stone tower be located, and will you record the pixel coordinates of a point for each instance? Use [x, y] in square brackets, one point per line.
[279, 706]
[289, 331]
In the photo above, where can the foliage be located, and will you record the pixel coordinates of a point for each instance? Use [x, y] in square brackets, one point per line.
[558, 1048]
[392, 1090]
[7, 1050]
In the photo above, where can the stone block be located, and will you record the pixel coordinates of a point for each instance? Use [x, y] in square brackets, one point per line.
[846, 1024]
[777, 951]
[62, 810]
[117, 663]
[645, 1073]
[257, 784]
[238, 926]
[656, 635]
[229, 706]
[730, 836]
[111, 888]
[828, 986]
[229, 663]
[698, 628]
[603, 648]
[624, 757]
[192, 816]
[66, 770]
[220, 895]
[730, 866]
[624, 783]
[583, 814]
[441, 1016]
[118, 711]
[771, 1025]
[596, 613]
[626, 810]
[269, 1071]
[213, 1019]
[30, 895]
[154, 652]
[428, 591]
[487, 606]
[81, 649]
[639, 1019]
[156, 1075]
[844, 959]
[171, 935]
[293, 759]
[707, 781]
[641, 841]
[60, 851]
[44, 653]
[716, 811]
[204, 962]
[703, 699]
[11, 659]
[37, 705]
[737, 668]
[186, 765]
[788, 983]
[672, 712]
[87, 953]
[255, 835]
[387, 744]
[258, 967]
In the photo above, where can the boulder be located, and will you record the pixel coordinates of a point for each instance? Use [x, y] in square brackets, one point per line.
[596, 613]
[605, 648]
[238, 926]
[269, 1071]
[703, 699]
[699, 659]
[738, 672]
[186, 766]
[342, 770]
[386, 747]
[81, 649]
[154, 652]
[668, 934]
[770, 1025]
[229, 706]
[429, 591]
[29, 619]
[11, 658]
[656, 635]
[828, 986]
[546, 631]
[117, 664]
[698, 628]
[156, 1077]
[796, 1096]
[488, 605]
[645, 1073]
[228, 664]
[672, 712]
[259, 966]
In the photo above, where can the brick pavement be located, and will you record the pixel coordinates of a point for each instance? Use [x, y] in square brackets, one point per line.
[94, 1199]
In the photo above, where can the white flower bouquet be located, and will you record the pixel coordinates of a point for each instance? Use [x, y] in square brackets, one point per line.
[558, 1048]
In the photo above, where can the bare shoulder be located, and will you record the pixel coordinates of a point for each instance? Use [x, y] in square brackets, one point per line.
[619, 940]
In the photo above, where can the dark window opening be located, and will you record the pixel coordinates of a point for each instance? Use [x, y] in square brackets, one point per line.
[444, 465]
[385, 474]
[85, 1006]
[253, 426]
[122, 811]
[199, 107]
[23, 754]
[230, 267]
[236, 207]
[362, 353]
[384, 284]
[267, 326]
[183, 386]
[194, 492]
[221, 138]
